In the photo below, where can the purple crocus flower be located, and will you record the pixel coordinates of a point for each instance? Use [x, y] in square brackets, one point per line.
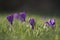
[32, 22]
[51, 22]
[10, 18]
[16, 15]
[22, 16]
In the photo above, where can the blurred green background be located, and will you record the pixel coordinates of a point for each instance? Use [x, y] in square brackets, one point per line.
[41, 10]
[39, 7]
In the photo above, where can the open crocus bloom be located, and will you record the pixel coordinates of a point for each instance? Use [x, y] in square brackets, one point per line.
[10, 19]
[22, 16]
[32, 22]
[50, 22]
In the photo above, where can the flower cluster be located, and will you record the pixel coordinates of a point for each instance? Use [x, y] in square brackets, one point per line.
[22, 17]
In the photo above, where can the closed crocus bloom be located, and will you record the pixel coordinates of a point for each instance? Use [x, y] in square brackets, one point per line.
[16, 15]
[22, 16]
[51, 22]
[32, 22]
[10, 19]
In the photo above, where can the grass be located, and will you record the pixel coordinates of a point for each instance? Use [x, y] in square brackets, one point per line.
[23, 31]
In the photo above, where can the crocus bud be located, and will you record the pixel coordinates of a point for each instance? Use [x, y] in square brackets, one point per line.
[10, 19]
[32, 22]
[22, 16]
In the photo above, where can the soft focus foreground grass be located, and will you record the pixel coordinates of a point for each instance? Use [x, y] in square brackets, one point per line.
[23, 31]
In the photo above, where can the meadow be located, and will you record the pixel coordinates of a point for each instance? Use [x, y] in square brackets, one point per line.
[23, 31]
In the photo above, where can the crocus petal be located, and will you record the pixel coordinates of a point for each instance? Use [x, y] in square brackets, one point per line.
[10, 18]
